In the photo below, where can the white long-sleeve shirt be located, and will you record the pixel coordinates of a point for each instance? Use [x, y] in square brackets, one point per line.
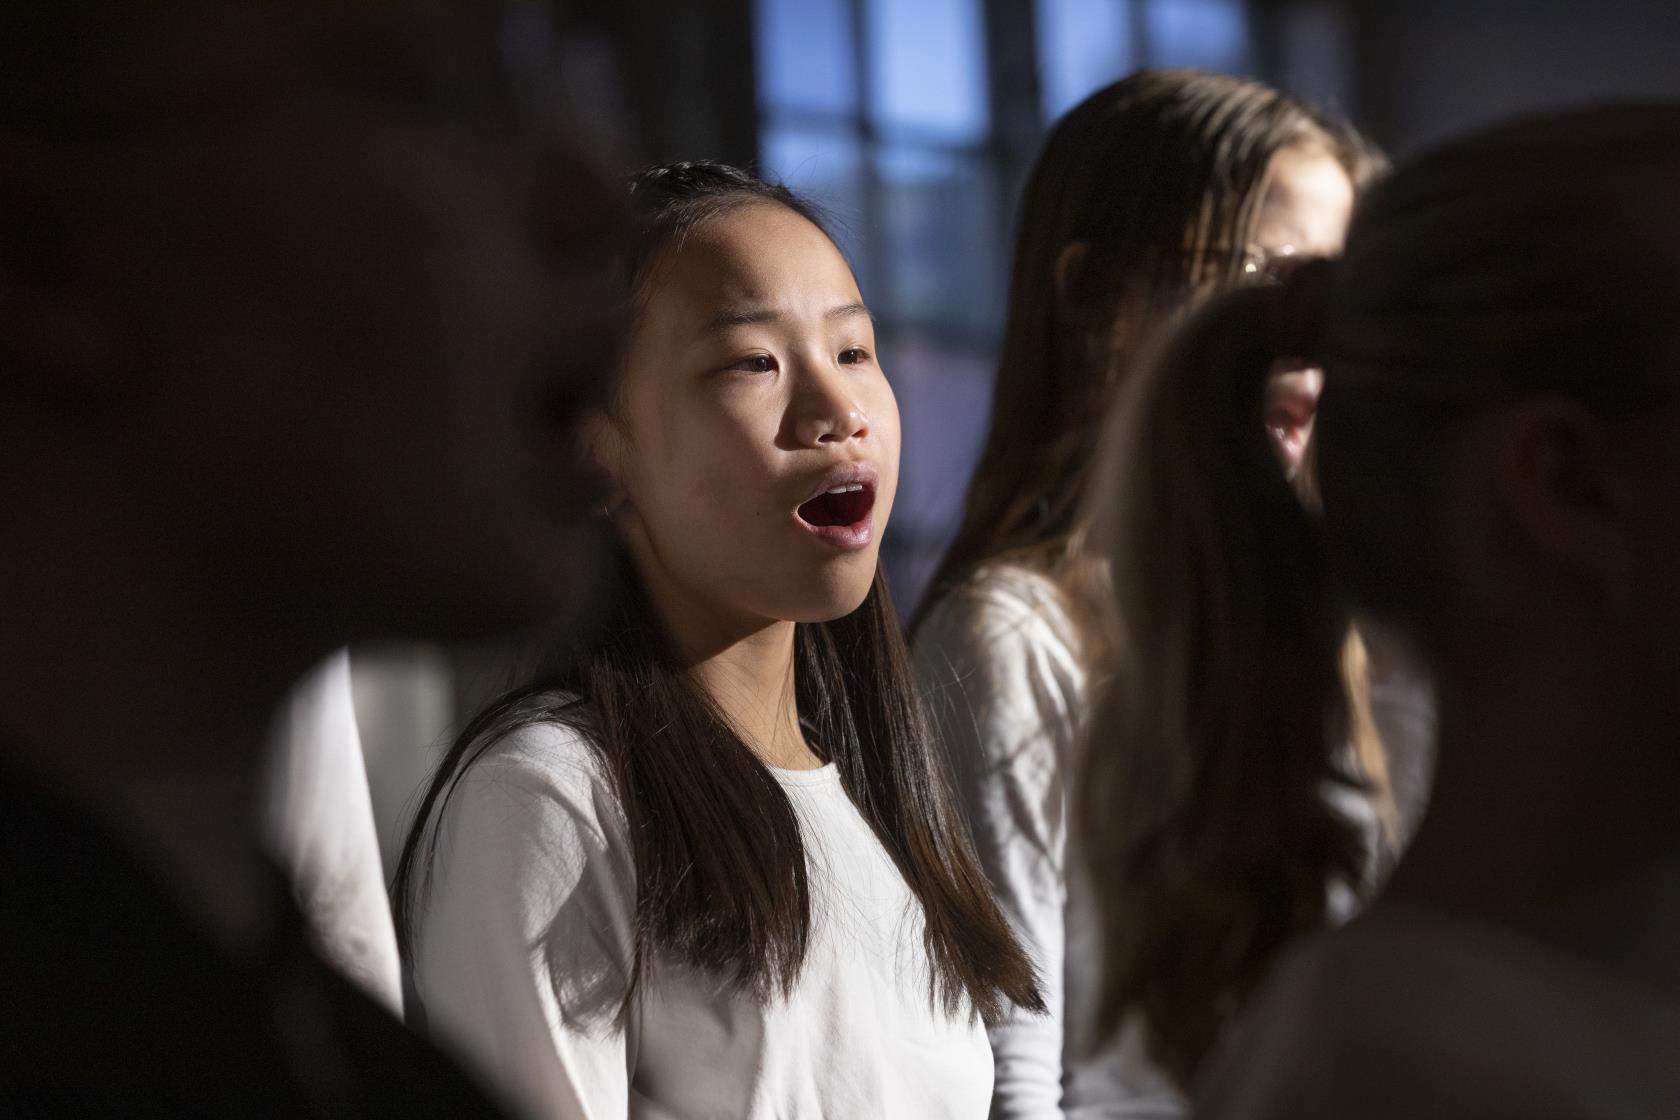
[525, 944]
[998, 661]
[320, 827]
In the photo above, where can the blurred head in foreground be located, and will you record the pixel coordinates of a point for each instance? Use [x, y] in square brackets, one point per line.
[309, 297]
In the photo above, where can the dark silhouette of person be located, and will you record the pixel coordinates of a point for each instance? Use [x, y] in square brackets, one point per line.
[300, 305]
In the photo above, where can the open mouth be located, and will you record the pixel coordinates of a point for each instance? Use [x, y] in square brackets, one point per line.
[842, 515]
[843, 506]
[1290, 405]
[1289, 437]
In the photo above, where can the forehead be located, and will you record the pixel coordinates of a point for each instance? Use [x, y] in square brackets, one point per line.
[758, 254]
[1307, 203]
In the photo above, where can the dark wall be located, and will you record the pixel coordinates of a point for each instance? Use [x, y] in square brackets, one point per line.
[684, 76]
[1430, 68]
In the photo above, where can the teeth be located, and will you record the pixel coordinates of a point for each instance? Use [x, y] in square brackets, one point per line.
[847, 489]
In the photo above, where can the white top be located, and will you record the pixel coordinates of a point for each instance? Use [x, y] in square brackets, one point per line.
[999, 665]
[525, 941]
[998, 662]
[319, 826]
[1413, 1012]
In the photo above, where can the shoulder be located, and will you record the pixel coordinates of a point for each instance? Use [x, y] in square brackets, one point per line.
[532, 828]
[1278, 1059]
[1318, 1028]
[998, 657]
[551, 748]
[1415, 1012]
[1000, 604]
[546, 776]
[1006, 590]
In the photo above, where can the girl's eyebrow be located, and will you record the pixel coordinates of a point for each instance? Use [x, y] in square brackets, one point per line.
[749, 315]
[746, 315]
[847, 310]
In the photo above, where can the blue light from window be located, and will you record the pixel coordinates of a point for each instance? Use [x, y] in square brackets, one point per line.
[1206, 34]
[927, 68]
[1315, 55]
[1082, 46]
[805, 56]
[940, 237]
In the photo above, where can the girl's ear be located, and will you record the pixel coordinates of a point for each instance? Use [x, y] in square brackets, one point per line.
[1566, 493]
[606, 445]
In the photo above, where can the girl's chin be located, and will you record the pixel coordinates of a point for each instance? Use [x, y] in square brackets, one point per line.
[836, 599]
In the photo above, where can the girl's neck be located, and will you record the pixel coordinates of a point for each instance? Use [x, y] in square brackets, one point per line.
[746, 666]
[752, 681]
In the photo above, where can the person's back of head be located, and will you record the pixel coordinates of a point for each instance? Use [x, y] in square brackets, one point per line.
[1491, 449]
[301, 306]
[319, 289]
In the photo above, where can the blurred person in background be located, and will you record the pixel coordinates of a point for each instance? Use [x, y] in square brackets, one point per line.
[300, 307]
[318, 815]
[1149, 196]
[1497, 470]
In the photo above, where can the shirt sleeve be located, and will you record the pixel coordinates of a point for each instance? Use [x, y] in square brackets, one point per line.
[321, 829]
[1003, 690]
[525, 942]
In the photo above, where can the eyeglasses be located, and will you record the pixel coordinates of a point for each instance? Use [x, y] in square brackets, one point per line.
[1262, 265]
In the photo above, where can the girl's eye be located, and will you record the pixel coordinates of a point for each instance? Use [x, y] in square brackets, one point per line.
[853, 356]
[755, 363]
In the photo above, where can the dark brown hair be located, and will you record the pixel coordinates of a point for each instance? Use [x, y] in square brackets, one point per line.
[1161, 175]
[721, 879]
[1513, 263]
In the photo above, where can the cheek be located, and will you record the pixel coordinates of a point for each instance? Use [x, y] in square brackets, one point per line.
[697, 476]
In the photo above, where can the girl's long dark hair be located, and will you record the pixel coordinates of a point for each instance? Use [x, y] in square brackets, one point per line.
[721, 878]
[1202, 802]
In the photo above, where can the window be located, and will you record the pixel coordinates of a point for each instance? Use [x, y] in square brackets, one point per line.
[1085, 44]
[879, 110]
[1314, 54]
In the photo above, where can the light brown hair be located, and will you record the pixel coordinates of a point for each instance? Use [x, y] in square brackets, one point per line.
[1512, 263]
[1161, 175]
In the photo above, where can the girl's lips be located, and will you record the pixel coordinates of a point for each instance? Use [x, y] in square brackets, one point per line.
[1291, 444]
[846, 538]
[1291, 403]
[855, 472]
[840, 509]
